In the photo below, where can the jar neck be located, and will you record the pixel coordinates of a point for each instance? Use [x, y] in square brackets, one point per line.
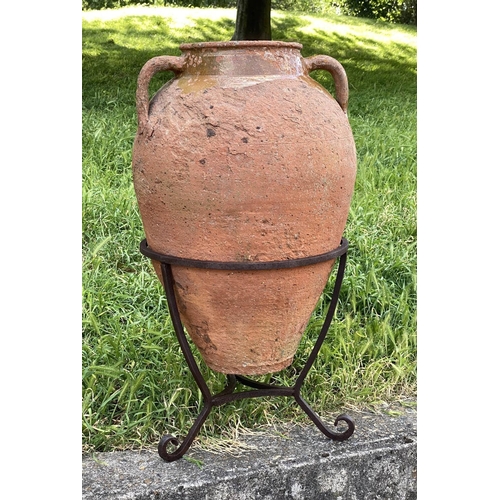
[242, 58]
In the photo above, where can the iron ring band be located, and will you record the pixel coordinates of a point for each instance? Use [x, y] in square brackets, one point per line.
[245, 265]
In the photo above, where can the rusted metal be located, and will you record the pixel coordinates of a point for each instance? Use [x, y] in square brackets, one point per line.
[258, 389]
[243, 265]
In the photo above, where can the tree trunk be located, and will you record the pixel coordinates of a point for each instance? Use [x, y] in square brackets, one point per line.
[253, 20]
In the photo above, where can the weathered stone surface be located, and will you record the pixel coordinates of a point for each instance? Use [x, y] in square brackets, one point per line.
[378, 462]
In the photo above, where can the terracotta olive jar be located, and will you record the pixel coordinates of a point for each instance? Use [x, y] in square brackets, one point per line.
[243, 157]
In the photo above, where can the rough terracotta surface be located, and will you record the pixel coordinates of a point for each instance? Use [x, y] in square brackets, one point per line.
[243, 157]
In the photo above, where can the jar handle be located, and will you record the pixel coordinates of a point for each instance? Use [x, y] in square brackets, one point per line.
[153, 66]
[338, 73]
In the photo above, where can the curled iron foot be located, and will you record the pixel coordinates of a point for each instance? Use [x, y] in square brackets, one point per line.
[350, 429]
[164, 443]
[335, 436]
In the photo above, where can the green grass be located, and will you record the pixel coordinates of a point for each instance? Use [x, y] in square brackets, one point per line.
[136, 385]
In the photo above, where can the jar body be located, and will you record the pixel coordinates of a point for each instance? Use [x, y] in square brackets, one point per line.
[245, 158]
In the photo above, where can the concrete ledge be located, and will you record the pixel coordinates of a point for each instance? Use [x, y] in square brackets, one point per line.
[379, 461]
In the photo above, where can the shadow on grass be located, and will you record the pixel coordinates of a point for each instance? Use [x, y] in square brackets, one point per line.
[115, 51]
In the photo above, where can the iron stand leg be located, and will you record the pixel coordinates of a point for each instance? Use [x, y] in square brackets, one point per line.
[258, 389]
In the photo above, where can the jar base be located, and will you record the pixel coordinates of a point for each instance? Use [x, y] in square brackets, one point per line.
[227, 369]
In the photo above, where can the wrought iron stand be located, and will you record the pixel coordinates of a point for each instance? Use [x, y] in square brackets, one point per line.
[258, 389]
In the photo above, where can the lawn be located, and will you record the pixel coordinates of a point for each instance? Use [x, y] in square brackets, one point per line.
[136, 385]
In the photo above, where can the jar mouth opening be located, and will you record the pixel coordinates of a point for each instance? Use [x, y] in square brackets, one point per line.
[240, 44]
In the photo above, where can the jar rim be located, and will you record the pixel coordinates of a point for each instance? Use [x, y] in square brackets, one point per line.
[240, 44]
